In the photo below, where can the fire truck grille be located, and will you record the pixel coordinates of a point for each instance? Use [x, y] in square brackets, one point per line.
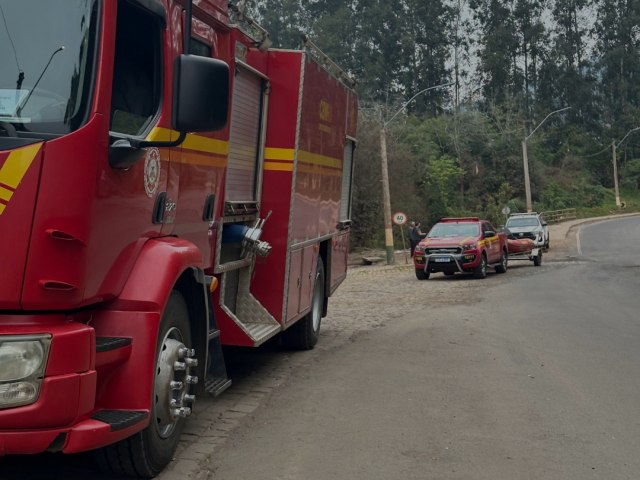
[448, 250]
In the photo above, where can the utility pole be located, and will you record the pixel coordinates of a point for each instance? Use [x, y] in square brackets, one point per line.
[614, 148]
[386, 197]
[525, 159]
[615, 174]
[527, 184]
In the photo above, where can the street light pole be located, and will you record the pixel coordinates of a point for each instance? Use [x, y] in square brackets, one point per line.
[386, 197]
[527, 183]
[614, 147]
[525, 159]
[615, 174]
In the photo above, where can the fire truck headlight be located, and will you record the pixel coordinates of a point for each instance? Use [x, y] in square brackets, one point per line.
[18, 393]
[22, 363]
[20, 359]
[469, 246]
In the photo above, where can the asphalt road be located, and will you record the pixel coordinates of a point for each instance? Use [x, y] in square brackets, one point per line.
[527, 375]
[537, 380]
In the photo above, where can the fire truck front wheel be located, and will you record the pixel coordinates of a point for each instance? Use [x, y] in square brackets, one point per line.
[303, 335]
[146, 453]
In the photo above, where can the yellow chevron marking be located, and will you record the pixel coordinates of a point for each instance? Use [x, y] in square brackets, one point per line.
[14, 169]
[17, 164]
[5, 194]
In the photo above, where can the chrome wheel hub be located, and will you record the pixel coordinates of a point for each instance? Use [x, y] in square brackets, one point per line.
[175, 374]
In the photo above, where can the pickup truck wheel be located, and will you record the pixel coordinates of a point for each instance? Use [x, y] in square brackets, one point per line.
[449, 274]
[421, 274]
[537, 260]
[481, 270]
[303, 335]
[148, 452]
[502, 268]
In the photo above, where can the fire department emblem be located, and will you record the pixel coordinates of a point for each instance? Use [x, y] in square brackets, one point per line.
[152, 171]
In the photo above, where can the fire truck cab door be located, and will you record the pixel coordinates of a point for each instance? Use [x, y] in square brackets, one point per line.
[136, 100]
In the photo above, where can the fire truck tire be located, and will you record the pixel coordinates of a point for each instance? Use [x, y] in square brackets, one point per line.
[503, 265]
[145, 454]
[421, 274]
[303, 335]
[481, 270]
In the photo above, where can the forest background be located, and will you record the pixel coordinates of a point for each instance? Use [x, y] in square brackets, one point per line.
[457, 150]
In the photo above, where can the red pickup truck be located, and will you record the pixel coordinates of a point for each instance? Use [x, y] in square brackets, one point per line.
[461, 245]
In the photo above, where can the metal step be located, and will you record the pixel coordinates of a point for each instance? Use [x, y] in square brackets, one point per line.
[215, 386]
[119, 419]
[248, 313]
[104, 344]
[261, 332]
[112, 351]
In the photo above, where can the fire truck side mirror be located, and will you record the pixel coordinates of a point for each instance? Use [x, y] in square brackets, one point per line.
[201, 94]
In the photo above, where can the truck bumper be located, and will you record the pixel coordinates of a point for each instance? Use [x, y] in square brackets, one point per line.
[448, 262]
[60, 418]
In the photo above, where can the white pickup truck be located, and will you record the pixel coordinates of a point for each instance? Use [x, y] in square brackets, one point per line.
[529, 225]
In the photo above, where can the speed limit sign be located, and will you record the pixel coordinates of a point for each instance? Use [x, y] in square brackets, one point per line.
[400, 218]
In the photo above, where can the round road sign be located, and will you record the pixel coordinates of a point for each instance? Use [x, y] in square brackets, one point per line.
[506, 211]
[400, 218]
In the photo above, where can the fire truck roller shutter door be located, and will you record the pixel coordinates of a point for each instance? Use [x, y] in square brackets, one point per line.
[244, 137]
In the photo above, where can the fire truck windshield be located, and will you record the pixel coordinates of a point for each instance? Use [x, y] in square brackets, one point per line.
[47, 53]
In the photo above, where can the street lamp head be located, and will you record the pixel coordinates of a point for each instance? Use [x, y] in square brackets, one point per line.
[544, 120]
[404, 105]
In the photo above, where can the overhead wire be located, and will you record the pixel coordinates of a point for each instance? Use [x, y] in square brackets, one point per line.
[15, 53]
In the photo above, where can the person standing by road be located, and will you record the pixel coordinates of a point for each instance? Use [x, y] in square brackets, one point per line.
[410, 235]
[415, 235]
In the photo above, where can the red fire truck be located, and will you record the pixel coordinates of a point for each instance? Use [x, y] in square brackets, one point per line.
[168, 184]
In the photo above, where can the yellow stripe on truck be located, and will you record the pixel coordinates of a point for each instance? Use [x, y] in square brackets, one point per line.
[17, 164]
[5, 194]
[14, 169]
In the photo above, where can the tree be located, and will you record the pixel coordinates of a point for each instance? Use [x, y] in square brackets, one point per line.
[498, 47]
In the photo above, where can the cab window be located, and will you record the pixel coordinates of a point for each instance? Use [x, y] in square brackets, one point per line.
[137, 79]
